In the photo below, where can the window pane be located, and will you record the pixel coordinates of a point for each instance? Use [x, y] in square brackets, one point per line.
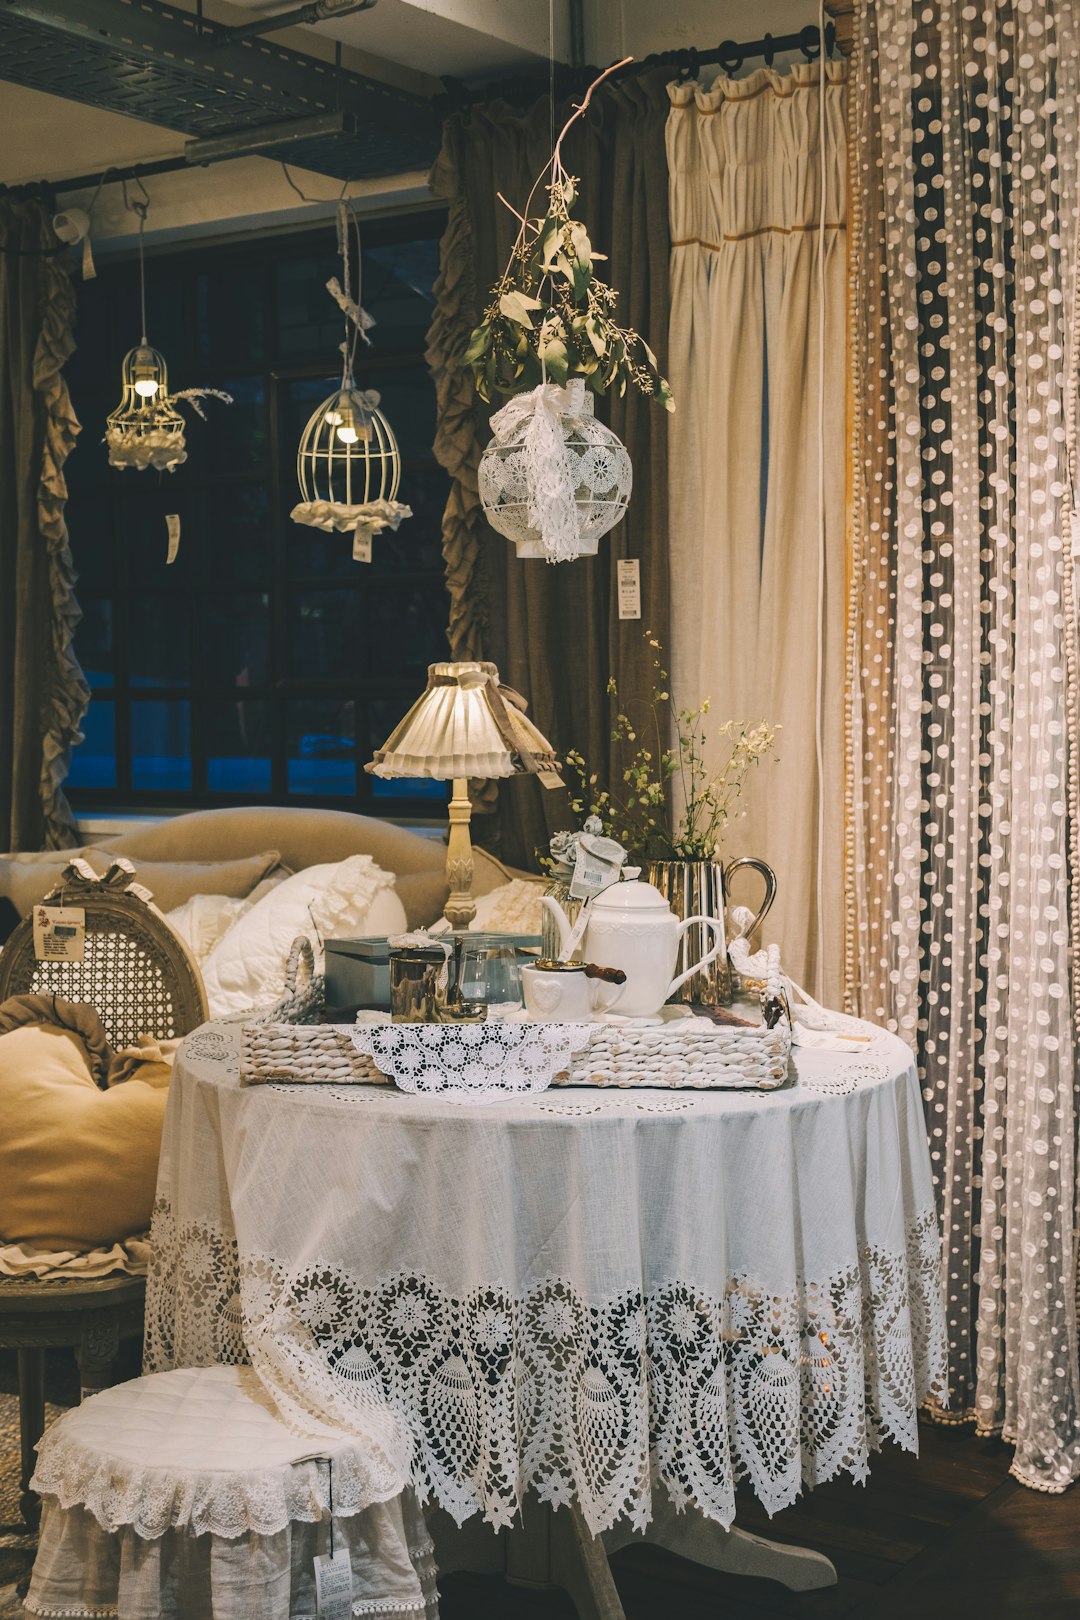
[328, 634]
[87, 467]
[94, 641]
[238, 747]
[415, 548]
[398, 282]
[229, 314]
[301, 398]
[236, 639]
[93, 762]
[234, 436]
[407, 400]
[234, 527]
[91, 526]
[321, 747]
[309, 322]
[408, 630]
[158, 641]
[161, 746]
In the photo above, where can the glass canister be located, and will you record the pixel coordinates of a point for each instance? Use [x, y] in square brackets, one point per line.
[558, 887]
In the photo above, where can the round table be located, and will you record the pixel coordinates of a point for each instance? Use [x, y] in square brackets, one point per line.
[584, 1292]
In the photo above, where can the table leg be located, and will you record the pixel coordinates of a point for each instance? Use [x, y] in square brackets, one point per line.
[31, 1428]
[692, 1536]
[544, 1549]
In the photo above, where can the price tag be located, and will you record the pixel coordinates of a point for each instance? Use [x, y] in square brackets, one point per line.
[333, 1585]
[59, 933]
[89, 269]
[361, 546]
[629, 577]
[550, 779]
[172, 523]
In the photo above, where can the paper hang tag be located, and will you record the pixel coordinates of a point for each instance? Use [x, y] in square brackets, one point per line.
[361, 546]
[550, 779]
[333, 1585]
[597, 866]
[89, 268]
[629, 577]
[172, 523]
[59, 933]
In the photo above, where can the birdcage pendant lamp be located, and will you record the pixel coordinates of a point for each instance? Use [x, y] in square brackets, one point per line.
[349, 460]
[348, 465]
[146, 429]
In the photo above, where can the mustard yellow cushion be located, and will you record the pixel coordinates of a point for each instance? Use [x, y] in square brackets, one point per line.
[78, 1165]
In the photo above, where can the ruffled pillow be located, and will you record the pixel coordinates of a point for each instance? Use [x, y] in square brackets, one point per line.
[341, 900]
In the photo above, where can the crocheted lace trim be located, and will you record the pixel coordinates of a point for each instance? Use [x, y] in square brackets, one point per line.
[581, 1399]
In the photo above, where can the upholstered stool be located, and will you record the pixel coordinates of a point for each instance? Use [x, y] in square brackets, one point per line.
[182, 1496]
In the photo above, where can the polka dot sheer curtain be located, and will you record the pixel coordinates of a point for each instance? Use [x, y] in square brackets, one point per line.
[962, 717]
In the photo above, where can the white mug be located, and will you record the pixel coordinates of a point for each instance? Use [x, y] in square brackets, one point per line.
[562, 994]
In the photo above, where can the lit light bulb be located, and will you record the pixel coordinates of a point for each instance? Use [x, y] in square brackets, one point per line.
[333, 417]
[146, 387]
[347, 433]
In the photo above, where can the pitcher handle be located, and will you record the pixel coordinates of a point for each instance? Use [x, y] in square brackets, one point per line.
[710, 956]
[769, 876]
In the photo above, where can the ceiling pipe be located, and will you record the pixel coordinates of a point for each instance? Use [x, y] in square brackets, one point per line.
[318, 11]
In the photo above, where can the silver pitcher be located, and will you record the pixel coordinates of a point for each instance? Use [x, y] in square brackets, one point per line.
[700, 888]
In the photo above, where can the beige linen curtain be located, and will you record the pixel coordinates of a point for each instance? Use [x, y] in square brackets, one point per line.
[43, 696]
[757, 608]
[553, 631]
[964, 703]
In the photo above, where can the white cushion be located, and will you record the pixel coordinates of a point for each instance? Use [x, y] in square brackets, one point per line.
[340, 900]
[511, 908]
[204, 920]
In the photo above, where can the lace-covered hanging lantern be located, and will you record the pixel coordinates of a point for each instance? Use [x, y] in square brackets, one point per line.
[348, 465]
[554, 479]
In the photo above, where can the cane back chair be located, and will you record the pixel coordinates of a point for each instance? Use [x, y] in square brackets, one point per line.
[141, 979]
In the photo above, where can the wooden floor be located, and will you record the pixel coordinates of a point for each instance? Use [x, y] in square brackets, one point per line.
[949, 1534]
[941, 1537]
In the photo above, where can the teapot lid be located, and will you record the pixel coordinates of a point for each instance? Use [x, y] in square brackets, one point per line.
[630, 895]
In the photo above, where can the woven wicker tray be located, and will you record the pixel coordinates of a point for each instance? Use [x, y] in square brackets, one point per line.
[681, 1051]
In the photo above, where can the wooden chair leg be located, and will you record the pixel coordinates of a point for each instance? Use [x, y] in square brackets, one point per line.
[98, 1351]
[31, 1428]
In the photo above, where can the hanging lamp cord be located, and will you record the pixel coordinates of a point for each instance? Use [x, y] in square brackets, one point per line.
[141, 207]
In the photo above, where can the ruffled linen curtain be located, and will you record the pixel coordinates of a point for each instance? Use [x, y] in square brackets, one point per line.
[43, 696]
[553, 630]
[758, 586]
[963, 721]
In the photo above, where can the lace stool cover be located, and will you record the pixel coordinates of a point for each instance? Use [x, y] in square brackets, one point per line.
[183, 1496]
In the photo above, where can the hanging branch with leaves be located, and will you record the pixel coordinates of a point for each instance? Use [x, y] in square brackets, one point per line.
[550, 317]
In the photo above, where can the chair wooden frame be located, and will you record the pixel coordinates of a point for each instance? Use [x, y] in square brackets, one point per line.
[141, 979]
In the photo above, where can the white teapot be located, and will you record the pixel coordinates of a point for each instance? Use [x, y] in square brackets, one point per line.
[632, 927]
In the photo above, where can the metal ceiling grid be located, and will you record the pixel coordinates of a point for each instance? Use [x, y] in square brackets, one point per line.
[150, 61]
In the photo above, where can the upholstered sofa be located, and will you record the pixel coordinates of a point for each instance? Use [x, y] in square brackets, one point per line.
[231, 837]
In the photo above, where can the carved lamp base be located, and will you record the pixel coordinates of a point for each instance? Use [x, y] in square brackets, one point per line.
[460, 908]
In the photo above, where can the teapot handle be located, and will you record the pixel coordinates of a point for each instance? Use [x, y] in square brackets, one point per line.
[710, 956]
[769, 876]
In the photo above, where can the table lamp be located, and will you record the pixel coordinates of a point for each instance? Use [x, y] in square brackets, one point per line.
[465, 724]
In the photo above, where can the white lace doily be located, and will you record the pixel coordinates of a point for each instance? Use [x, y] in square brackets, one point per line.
[475, 1062]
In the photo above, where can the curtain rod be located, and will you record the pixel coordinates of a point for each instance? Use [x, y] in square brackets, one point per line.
[730, 54]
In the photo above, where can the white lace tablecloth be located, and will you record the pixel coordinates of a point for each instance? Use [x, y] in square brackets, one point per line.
[583, 1292]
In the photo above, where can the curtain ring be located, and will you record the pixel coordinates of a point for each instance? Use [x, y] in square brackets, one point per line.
[729, 56]
[768, 50]
[810, 42]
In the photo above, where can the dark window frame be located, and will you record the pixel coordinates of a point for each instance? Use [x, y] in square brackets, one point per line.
[391, 578]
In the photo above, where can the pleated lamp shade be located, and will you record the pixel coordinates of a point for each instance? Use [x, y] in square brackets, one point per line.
[465, 724]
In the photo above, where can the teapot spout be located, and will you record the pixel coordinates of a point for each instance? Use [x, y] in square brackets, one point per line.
[566, 932]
